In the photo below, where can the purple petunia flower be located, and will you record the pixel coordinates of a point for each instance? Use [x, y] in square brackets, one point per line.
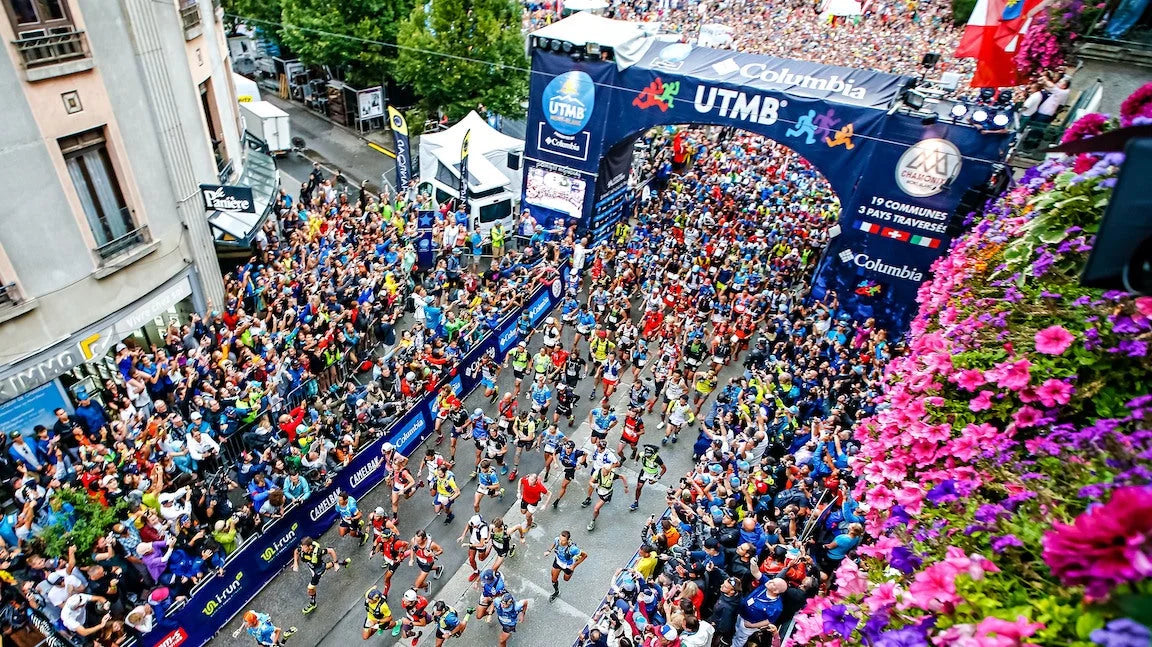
[1000, 544]
[943, 493]
[1122, 632]
[875, 624]
[906, 637]
[838, 620]
[904, 560]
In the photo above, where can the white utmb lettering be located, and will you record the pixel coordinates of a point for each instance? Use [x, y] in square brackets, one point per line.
[737, 105]
[566, 110]
[900, 272]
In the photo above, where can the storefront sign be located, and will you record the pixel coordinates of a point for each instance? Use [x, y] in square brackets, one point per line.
[35, 407]
[221, 197]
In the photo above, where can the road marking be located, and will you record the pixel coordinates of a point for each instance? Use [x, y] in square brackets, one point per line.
[380, 149]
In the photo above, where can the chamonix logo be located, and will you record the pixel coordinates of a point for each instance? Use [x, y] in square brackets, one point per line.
[927, 167]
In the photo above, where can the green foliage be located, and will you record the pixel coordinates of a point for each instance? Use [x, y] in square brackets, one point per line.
[92, 521]
[485, 31]
[354, 29]
[263, 14]
[962, 10]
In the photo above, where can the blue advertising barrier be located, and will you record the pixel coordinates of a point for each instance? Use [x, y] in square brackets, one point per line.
[255, 564]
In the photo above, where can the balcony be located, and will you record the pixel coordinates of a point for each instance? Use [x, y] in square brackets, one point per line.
[53, 55]
[117, 246]
[190, 17]
[12, 304]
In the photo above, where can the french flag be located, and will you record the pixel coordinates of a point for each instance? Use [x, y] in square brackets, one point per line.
[991, 36]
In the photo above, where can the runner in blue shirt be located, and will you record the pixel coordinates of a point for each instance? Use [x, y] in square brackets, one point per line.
[351, 519]
[570, 458]
[568, 557]
[541, 397]
[492, 586]
[550, 441]
[480, 424]
[487, 483]
[449, 624]
[260, 627]
[509, 613]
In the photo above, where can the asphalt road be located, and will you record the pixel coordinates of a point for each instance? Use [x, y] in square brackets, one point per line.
[616, 538]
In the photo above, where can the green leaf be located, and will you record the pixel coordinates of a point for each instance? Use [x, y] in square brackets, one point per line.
[1088, 622]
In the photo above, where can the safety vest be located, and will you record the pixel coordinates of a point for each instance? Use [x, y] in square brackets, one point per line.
[497, 236]
[650, 464]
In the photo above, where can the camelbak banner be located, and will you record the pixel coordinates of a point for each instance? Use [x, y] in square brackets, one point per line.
[898, 179]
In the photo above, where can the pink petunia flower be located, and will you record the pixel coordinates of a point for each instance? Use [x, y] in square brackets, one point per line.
[1053, 392]
[1011, 633]
[1026, 417]
[1053, 340]
[981, 402]
[1108, 545]
[970, 379]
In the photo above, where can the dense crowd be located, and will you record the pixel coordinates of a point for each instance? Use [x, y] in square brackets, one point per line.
[765, 516]
[261, 400]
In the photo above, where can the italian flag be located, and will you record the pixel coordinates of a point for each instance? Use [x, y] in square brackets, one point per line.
[925, 241]
[869, 227]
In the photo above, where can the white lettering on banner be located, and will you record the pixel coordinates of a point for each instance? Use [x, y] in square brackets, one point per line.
[173, 639]
[755, 108]
[364, 472]
[215, 199]
[508, 337]
[562, 143]
[322, 507]
[901, 272]
[223, 596]
[789, 79]
[537, 308]
[280, 544]
[411, 431]
[566, 110]
[474, 368]
[43, 371]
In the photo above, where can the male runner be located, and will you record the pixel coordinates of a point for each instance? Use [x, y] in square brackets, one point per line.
[603, 480]
[568, 557]
[519, 359]
[532, 490]
[565, 403]
[631, 431]
[351, 519]
[260, 627]
[502, 541]
[424, 554]
[550, 441]
[403, 483]
[652, 469]
[377, 615]
[480, 426]
[415, 615]
[477, 537]
[393, 550]
[570, 458]
[509, 613]
[311, 554]
[524, 429]
[492, 586]
[446, 493]
[602, 420]
[487, 483]
[449, 624]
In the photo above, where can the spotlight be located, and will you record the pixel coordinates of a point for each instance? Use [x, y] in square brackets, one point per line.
[1001, 119]
[959, 110]
[930, 119]
[556, 46]
[979, 116]
[567, 47]
[592, 49]
[914, 99]
[541, 43]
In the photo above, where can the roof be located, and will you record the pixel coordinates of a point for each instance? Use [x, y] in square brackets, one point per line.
[483, 175]
[263, 109]
[582, 27]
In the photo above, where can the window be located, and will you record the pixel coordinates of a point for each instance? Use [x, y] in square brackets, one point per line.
[35, 13]
[94, 178]
[496, 211]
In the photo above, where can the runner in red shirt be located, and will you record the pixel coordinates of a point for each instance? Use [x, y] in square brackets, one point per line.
[532, 491]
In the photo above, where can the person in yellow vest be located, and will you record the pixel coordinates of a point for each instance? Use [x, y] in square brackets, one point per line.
[497, 233]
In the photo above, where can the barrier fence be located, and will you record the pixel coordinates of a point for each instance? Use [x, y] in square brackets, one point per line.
[252, 566]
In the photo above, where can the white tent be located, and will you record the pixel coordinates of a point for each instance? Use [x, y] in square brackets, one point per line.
[495, 161]
[840, 8]
[584, 5]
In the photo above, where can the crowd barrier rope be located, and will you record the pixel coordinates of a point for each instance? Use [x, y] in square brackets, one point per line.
[255, 564]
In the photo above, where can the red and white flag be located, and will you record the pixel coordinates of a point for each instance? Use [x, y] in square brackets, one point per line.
[991, 40]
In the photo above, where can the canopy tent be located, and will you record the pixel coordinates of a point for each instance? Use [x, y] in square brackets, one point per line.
[487, 158]
[584, 5]
[715, 35]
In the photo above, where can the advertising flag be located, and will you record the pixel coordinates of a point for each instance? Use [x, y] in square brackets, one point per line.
[403, 149]
[982, 40]
[464, 170]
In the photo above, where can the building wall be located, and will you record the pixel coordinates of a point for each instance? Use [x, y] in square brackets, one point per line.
[1121, 71]
[46, 245]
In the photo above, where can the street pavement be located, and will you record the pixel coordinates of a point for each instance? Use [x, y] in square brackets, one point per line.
[334, 147]
[616, 538]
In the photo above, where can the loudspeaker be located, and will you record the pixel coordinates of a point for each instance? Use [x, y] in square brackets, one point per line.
[1121, 259]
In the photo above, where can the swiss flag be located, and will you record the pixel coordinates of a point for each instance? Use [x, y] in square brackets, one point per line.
[995, 64]
[895, 234]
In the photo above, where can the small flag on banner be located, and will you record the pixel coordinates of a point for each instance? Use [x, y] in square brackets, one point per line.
[895, 234]
[925, 241]
[869, 227]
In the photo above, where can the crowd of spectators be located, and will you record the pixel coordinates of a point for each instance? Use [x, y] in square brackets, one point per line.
[329, 331]
[765, 516]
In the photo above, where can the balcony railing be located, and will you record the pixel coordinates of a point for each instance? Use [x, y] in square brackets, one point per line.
[51, 49]
[117, 246]
[190, 15]
[9, 295]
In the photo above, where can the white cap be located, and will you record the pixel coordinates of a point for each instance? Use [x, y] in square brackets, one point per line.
[379, 510]
[475, 520]
[410, 595]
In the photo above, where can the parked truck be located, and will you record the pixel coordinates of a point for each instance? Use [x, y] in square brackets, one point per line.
[269, 123]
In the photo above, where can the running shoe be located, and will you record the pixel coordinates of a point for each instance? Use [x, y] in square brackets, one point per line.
[449, 518]
[512, 551]
[675, 437]
[309, 609]
[552, 598]
[591, 525]
[473, 576]
[634, 507]
[556, 504]
[472, 475]
[396, 630]
[288, 634]
[503, 470]
[469, 611]
[439, 570]
[363, 538]
[347, 560]
[586, 502]
[512, 476]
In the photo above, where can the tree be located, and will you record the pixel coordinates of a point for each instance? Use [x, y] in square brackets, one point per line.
[260, 14]
[355, 35]
[962, 10]
[487, 34]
